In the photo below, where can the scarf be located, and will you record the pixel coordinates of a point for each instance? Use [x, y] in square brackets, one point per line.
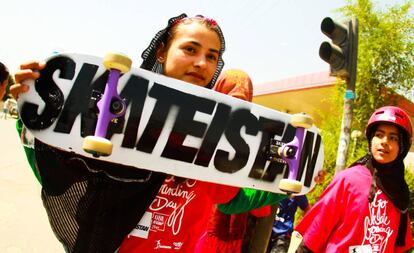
[389, 178]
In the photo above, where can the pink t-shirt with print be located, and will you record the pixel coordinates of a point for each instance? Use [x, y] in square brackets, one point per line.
[177, 217]
[343, 220]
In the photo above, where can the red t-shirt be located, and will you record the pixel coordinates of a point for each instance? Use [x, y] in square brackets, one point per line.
[343, 220]
[177, 217]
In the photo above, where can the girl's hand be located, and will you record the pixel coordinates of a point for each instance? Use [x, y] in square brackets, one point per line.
[28, 71]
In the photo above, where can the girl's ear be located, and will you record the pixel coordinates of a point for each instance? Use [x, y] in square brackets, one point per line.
[161, 53]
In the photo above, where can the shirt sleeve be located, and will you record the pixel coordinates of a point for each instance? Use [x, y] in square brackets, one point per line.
[261, 212]
[249, 199]
[302, 201]
[235, 83]
[30, 153]
[315, 227]
[218, 193]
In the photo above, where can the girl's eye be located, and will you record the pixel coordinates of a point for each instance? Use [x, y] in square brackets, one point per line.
[212, 57]
[379, 135]
[394, 138]
[189, 49]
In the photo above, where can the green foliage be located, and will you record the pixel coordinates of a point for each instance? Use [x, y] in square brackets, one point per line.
[409, 177]
[385, 55]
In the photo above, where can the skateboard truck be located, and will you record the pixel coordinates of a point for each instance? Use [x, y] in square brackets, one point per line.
[291, 153]
[111, 106]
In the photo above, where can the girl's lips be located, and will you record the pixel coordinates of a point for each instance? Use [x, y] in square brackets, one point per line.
[382, 151]
[195, 75]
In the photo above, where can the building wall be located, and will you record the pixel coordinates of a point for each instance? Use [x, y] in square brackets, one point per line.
[310, 94]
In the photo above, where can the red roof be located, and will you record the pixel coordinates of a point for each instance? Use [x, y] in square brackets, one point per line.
[307, 81]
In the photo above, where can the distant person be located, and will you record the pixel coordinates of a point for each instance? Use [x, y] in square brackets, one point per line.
[4, 80]
[284, 222]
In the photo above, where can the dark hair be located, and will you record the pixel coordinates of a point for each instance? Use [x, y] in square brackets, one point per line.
[4, 73]
[149, 55]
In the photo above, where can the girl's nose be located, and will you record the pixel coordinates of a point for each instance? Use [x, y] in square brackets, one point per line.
[384, 140]
[200, 61]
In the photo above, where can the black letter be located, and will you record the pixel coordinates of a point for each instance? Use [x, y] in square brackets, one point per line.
[185, 125]
[214, 132]
[310, 155]
[157, 119]
[49, 92]
[78, 99]
[269, 129]
[239, 118]
[135, 91]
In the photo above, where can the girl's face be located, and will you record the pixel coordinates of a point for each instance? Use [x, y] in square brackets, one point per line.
[385, 143]
[192, 54]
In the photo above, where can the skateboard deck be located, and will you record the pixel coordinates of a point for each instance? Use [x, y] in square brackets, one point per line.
[167, 126]
[295, 241]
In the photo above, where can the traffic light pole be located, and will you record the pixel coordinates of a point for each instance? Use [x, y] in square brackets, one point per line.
[345, 126]
[349, 97]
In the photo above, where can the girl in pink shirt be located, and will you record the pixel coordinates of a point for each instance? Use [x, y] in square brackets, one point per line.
[364, 209]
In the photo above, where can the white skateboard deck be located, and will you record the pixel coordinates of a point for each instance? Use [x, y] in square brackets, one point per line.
[170, 126]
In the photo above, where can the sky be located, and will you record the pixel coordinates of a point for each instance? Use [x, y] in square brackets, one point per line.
[269, 39]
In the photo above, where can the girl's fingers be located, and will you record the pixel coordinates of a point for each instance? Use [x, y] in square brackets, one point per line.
[25, 74]
[18, 88]
[35, 65]
[28, 70]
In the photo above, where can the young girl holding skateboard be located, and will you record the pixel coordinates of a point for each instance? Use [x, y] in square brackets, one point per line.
[93, 207]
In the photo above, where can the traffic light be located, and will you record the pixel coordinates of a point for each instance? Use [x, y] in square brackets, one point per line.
[342, 53]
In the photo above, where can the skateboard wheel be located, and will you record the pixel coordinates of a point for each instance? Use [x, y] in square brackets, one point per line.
[301, 120]
[117, 61]
[97, 146]
[290, 185]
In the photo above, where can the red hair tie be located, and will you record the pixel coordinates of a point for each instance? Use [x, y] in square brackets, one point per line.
[210, 21]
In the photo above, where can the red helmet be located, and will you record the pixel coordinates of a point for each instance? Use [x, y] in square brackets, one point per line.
[393, 115]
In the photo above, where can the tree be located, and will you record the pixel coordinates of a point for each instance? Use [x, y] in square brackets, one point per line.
[385, 55]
